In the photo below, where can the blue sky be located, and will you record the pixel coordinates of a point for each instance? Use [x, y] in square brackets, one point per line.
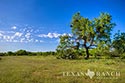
[35, 25]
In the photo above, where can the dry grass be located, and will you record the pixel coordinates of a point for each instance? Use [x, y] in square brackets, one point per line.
[39, 69]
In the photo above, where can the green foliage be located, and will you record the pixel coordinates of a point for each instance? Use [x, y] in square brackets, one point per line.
[21, 52]
[92, 32]
[65, 42]
[68, 54]
[10, 53]
[113, 54]
[64, 49]
[2, 54]
[100, 51]
[88, 34]
[27, 53]
[123, 56]
[103, 27]
[119, 42]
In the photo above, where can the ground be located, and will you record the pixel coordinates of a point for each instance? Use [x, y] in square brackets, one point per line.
[48, 69]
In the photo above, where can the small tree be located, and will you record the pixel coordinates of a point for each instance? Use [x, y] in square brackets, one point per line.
[119, 42]
[10, 53]
[21, 52]
[66, 49]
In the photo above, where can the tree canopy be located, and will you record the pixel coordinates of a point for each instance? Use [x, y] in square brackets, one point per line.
[88, 33]
[119, 42]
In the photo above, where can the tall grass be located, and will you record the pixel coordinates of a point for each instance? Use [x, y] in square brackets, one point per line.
[40, 69]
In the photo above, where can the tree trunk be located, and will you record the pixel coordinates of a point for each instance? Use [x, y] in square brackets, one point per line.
[87, 53]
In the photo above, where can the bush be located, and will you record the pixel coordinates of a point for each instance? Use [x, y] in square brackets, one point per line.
[114, 54]
[2, 54]
[123, 56]
[68, 54]
[21, 52]
[9, 53]
[31, 53]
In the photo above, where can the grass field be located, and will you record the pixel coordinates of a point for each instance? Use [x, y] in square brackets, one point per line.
[40, 69]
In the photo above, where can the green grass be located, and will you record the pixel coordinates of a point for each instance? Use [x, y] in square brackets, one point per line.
[39, 69]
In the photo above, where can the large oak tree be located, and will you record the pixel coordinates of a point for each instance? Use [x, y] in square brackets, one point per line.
[89, 33]
[92, 32]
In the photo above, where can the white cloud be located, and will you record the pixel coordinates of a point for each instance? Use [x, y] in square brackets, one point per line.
[24, 34]
[28, 35]
[23, 29]
[70, 35]
[64, 34]
[56, 35]
[52, 35]
[41, 41]
[1, 34]
[18, 34]
[13, 37]
[15, 41]
[22, 39]
[14, 27]
[6, 37]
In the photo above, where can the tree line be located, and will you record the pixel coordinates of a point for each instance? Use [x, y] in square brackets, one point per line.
[27, 53]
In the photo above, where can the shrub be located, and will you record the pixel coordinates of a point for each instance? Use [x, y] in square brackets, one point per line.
[21, 52]
[2, 54]
[10, 53]
[123, 56]
[68, 54]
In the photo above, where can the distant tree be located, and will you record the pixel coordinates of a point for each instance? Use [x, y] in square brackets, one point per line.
[21, 52]
[119, 42]
[3, 54]
[10, 53]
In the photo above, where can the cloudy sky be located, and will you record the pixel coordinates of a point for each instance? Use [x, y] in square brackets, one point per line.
[35, 25]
